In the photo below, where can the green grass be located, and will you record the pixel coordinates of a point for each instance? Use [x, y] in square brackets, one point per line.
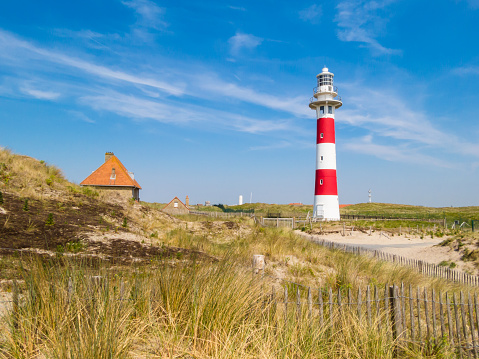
[408, 211]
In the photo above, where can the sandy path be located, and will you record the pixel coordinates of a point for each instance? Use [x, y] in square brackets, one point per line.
[409, 246]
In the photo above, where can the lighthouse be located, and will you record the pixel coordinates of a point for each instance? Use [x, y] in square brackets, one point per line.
[325, 101]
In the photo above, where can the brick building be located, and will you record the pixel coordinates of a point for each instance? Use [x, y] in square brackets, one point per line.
[177, 207]
[113, 176]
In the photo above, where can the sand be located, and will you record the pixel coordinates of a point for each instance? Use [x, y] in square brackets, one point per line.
[410, 246]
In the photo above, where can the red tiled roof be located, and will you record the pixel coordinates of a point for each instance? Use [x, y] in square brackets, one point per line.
[102, 176]
[344, 205]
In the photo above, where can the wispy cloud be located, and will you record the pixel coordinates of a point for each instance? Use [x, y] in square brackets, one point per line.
[80, 115]
[241, 41]
[311, 14]
[9, 44]
[293, 105]
[146, 109]
[466, 70]
[40, 94]
[274, 146]
[238, 8]
[474, 4]
[409, 131]
[148, 13]
[394, 153]
[360, 21]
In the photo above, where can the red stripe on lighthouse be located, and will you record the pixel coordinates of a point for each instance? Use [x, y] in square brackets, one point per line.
[326, 183]
[325, 130]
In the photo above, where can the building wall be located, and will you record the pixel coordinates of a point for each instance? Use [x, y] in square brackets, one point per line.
[125, 192]
[179, 209]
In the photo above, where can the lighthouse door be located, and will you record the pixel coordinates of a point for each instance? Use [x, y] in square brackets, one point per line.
[319, 211]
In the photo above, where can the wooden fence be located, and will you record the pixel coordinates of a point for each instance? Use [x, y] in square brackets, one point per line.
[422, 267]
[222, 214]
[412, 317]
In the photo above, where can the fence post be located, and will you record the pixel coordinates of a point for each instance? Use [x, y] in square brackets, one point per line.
[258, 264]
[15, 304]
[395, 311]
[285, 305]
[298, 304]
[70, 289]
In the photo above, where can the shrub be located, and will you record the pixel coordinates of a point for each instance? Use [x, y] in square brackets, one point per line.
[25, 205]
[1, 197]
[49, 221]
[125, 223]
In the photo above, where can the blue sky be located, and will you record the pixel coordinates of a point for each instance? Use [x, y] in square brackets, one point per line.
[210, 99]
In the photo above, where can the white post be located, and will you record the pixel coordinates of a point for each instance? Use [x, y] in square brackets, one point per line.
[258, 263]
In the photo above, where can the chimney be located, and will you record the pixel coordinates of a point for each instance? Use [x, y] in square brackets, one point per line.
[108, 155]
[187, 201]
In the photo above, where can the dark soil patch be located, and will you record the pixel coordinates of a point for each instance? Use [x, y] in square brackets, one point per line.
[31, 229]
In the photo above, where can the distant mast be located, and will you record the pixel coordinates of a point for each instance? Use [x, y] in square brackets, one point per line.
[369, 195]
[325, 101]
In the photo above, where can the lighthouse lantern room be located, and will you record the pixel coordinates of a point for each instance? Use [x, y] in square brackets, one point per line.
[325, 101]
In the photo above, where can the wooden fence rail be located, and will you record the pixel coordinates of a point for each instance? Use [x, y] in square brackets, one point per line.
[425, 268]
[222, 214]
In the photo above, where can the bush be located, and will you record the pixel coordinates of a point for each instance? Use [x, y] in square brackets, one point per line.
[25, 205]
[49, 221]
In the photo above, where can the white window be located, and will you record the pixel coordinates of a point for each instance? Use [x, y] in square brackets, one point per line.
[321, 110]
[175, 204]
[330, 109]
[321, 135]
[321, 182]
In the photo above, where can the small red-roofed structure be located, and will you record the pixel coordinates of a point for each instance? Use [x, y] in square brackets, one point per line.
[113, 176]
[176, 207]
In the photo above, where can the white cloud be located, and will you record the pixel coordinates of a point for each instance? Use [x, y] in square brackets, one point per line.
[39, 94]
[311, 14]
[398, 153]
[9, 44]
[239, 8]
[274, 146]
[242, 41]
[474, 4]
[466, 70]
[81, 116]
[149, 14]
[359, 21]
[145, 109]
[408, 129]
[293, 105]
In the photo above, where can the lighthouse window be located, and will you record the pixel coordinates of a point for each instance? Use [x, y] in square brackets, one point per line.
[321, 182]
[321, 135]
[321, 158]
[321, 110]
[330, 109]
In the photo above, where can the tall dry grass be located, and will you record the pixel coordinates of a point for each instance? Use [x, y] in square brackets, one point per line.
[208, 311]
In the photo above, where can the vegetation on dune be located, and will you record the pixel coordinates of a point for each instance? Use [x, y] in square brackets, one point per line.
[215, 310]
[409, 211]
[177, 286]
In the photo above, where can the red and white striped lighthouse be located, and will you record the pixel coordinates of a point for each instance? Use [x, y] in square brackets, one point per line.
[325, 101]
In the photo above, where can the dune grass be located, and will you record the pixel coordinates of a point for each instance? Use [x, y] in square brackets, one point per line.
[208, 311]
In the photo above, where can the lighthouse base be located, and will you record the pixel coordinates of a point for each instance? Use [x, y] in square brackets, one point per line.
[326, 208]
